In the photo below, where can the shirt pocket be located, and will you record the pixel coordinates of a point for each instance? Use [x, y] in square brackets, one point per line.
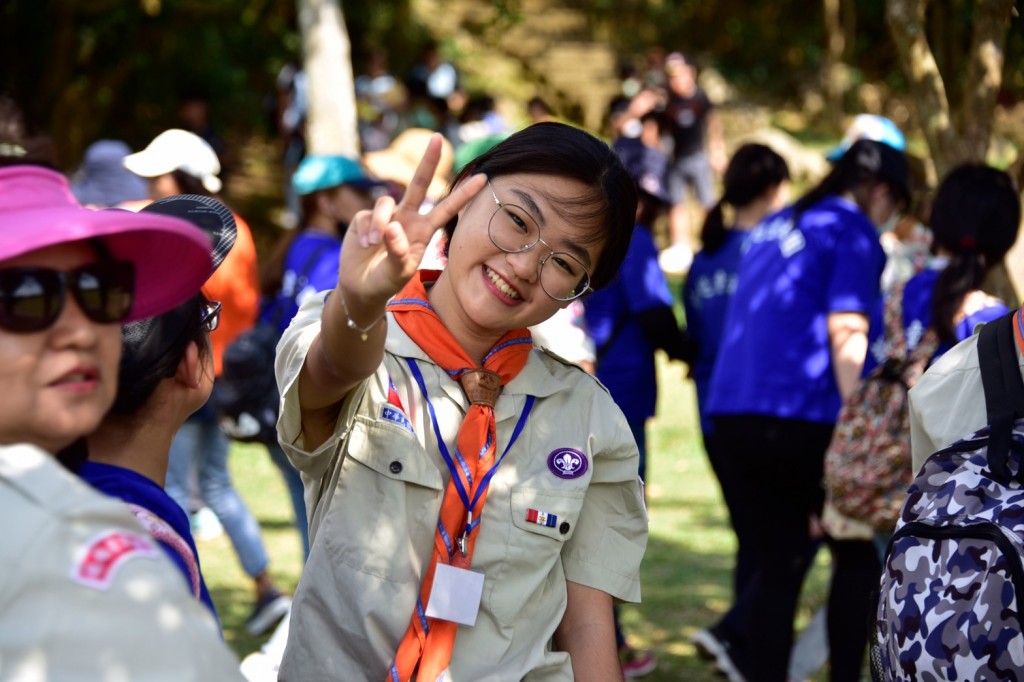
[384, 511]
[530, 577]
[546, 513]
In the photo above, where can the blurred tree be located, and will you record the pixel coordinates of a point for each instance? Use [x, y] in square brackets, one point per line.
[955, 134]
[85, 69]
[82, 69]
[331, 124]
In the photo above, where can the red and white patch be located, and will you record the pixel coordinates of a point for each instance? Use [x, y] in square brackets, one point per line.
[105, 555]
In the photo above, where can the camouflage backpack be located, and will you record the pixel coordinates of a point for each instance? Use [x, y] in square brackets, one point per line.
[952, 585]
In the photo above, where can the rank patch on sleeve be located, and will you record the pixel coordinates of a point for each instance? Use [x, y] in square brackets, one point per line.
[106, 553]
[541, 518]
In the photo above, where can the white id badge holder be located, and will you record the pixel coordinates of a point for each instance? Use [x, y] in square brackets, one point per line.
[455, 595]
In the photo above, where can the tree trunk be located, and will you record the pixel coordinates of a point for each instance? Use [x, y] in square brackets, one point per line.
[331, 122]
[835, 80]
[984, 74]
[906, 20]
[965, 138]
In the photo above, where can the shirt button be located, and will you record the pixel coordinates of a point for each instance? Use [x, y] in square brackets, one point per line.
[395, 467]
[564, 528]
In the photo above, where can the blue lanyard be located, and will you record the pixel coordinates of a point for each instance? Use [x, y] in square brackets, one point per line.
[461, 463]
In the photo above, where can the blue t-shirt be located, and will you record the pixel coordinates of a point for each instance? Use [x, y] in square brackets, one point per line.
[709, 287]
[917, 317]
[134, 488]
[626, 366]
[310, 267]
[775, 359]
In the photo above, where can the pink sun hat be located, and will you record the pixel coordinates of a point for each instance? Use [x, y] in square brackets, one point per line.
[172, 257]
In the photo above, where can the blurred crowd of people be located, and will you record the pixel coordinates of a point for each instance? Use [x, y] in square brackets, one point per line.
[781, 316]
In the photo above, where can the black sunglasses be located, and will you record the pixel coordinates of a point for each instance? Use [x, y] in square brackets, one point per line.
[31, 299]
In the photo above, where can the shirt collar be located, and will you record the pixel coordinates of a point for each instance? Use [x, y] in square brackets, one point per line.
[534, 379]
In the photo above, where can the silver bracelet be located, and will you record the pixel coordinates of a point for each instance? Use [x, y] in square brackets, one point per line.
[364, 332]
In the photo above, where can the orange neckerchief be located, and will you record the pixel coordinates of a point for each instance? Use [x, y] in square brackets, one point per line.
[428, 642]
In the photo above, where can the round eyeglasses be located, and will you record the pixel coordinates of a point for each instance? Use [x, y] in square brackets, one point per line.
[512, 229]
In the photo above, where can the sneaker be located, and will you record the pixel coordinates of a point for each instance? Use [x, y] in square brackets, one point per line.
[676, 259]
[711, 648]
[636, 662]
[205, 525]
[271, 608]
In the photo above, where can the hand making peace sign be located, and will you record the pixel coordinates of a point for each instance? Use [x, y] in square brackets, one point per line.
[383, 247]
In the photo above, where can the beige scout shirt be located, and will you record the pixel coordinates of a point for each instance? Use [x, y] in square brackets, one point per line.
[948, 402]
[85, 594]
[375, 513]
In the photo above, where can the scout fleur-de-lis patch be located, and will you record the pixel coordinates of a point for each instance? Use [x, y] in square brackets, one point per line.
[568, 463]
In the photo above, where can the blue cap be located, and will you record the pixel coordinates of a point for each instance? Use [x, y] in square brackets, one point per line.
[318, 172]
[868, 127]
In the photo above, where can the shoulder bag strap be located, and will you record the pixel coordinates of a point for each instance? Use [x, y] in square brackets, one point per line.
[892, 316]
[620, 324]
[1004, 388]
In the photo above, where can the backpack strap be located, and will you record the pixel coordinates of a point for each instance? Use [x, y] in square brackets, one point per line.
[902, 363]
[1004, 389]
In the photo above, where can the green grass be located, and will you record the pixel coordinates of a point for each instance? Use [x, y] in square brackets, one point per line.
[686, 573]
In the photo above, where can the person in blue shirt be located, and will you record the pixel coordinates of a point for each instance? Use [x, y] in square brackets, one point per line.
[974, 222]
[166, 374]
[632, 317]
[629, 320]
[975, 218]
[756, 183]
[794, 343]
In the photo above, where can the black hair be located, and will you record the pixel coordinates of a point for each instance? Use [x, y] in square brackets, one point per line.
[975, 217]
[189, 184]
[557, 149]
[861, 167]
[649, 209]
[153, 349]
[73, 456]
[19, 145]
[752, 170]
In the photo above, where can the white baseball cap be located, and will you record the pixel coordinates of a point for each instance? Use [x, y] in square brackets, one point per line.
[177, 149]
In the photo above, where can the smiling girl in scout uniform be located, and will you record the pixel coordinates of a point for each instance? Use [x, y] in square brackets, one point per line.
[86, 592]
[475, 505]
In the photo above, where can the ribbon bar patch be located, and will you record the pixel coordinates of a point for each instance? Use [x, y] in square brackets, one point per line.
[541, 518]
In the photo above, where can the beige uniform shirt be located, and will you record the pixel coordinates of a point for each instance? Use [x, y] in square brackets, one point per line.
[374, 508]
[948, 402]
[85, 594]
